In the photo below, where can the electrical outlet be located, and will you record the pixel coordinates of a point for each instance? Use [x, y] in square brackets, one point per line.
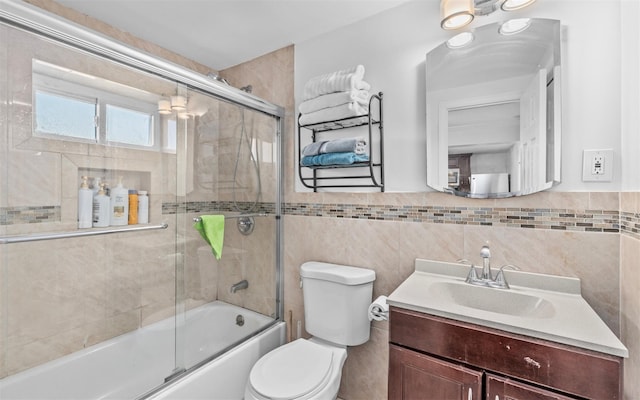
[597, 165]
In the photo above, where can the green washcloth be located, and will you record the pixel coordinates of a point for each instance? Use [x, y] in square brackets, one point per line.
[211, 227]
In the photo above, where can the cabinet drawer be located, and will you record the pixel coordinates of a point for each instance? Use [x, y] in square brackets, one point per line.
[499, 388]
[569, 369]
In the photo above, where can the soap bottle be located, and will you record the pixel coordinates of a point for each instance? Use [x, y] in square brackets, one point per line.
[143, 207]
[119, 208]
[85, 204]
[101, 205]
[133, 207]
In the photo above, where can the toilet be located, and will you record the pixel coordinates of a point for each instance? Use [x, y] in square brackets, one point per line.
[336, 300]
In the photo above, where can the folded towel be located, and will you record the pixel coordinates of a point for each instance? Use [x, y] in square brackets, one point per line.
[334, 99]
[333, 159]
[338, 81]
[211, 227]
[313, 149]
[347, 110]
[356, 145]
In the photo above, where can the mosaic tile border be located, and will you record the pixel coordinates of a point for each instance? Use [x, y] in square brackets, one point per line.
[29, 215]
[607, 221]
[215, 206]
[630, 224]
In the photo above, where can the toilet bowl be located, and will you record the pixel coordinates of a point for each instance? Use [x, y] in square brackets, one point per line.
[302, 369]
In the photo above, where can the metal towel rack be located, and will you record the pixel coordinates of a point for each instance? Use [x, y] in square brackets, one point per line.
[75, 234]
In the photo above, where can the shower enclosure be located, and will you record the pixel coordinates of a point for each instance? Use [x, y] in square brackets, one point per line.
[76, 104]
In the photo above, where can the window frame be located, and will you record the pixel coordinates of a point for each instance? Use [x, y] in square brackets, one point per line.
[58, 86]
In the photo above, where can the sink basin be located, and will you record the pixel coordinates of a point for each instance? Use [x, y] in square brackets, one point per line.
[499, 301]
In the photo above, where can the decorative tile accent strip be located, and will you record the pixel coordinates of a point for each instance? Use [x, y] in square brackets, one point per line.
[531, 218]
[215, 206]
[630, 224]
[608, 221]
[29, 215]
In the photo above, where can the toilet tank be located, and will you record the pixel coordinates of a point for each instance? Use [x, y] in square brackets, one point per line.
[336, 300]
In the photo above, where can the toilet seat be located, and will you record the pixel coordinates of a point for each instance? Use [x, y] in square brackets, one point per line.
[295, 370]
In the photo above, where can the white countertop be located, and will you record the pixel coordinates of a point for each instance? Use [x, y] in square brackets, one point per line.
[566, 318]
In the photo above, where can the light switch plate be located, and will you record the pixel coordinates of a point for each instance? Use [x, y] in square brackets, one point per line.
[597, 165]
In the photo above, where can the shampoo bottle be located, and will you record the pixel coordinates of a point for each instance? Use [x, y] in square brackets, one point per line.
[119, 205]
[143, 207]
[85, 204]
[101, 205]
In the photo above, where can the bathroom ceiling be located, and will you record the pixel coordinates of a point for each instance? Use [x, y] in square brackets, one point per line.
[224, 33]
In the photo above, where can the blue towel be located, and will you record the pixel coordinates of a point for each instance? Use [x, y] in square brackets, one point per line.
[333, 159]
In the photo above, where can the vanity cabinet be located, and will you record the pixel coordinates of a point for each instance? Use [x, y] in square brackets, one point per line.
[431, 357]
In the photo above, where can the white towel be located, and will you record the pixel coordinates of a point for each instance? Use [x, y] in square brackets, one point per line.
[338, 81]
[347, 110]
[334, 99]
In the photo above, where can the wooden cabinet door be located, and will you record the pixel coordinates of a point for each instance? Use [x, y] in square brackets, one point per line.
[499, 388]
[416, 376]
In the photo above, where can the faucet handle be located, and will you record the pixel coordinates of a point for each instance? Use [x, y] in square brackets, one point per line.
[472, 276]
[501, 281]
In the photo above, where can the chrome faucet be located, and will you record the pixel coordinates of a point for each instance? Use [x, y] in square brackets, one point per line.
[243, 284]
[485, 253]
[486, 278]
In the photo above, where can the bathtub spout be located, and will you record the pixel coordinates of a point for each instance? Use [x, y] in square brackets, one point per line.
[243, 284]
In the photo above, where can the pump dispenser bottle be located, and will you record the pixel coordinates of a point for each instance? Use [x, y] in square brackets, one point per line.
[85, 204]
[101, 206]
[119, 204]
[143, 207]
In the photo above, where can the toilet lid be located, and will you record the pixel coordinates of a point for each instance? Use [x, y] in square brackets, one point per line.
[292, 370]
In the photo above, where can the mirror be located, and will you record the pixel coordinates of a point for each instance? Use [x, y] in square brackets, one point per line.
[494, 110]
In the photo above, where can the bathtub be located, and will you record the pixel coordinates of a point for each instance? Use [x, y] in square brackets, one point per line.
[131, 365]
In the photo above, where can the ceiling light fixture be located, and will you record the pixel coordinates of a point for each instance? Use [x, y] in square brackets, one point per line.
[511, 5]
[454, 14]
[164, 107]
[178, 103]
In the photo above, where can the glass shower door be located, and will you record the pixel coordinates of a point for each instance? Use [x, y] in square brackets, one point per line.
[231, 169]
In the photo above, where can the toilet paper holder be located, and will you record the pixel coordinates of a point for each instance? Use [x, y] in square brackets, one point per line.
[379, 309]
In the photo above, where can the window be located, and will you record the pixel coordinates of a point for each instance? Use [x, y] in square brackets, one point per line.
[129, 126]
[74, 106]
[62, 115]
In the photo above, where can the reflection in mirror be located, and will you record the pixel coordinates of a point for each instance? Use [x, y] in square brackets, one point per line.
[494, 110]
